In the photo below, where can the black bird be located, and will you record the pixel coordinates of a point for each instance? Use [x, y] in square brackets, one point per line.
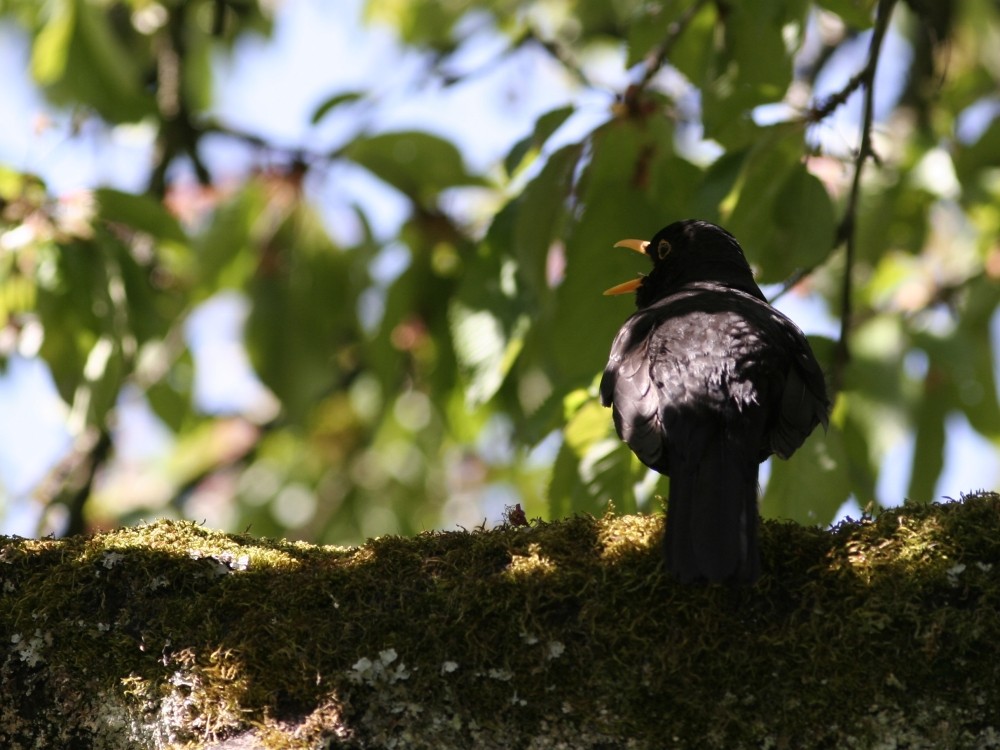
[706, 380]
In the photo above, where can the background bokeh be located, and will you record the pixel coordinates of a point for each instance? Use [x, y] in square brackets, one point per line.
[333, 270]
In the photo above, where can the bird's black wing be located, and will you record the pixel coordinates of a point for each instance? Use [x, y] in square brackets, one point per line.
[804, 402]
[704, 354]
[627, 386]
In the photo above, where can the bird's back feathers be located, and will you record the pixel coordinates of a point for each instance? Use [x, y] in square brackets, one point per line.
[706, 380]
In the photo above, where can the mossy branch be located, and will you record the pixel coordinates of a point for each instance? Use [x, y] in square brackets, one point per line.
[558, 634]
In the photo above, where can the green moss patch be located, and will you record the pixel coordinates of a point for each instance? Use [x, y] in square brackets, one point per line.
[883, 630]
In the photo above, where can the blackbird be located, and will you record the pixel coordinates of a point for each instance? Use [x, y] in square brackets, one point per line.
[705, 381]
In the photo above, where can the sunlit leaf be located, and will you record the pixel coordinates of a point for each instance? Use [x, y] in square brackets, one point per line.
[488, 319]
[422, 22]
[485, 349]
[51, 48]
[104, 373]
[593, 466]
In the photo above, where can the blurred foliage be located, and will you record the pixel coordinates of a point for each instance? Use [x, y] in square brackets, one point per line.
[467, 379]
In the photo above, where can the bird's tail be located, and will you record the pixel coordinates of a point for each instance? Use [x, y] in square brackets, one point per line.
[712, 517]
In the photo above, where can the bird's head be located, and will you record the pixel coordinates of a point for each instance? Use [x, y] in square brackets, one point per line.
[686, 252]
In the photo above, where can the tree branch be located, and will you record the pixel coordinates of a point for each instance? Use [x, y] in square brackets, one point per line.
[558, 52]
[178, 133]
[562, 634]
[846, 230]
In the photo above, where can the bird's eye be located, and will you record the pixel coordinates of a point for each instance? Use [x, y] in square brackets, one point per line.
[663, 249]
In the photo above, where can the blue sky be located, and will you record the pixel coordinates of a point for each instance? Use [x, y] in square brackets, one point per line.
[271, 87]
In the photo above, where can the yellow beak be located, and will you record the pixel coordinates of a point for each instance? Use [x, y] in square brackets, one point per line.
[624, 287]
[638, 246]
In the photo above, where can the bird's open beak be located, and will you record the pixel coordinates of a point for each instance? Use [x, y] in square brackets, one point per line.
[638, 246]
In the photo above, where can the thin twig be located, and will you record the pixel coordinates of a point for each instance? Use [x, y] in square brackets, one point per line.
[865, 78]
[178, 134]
[846, 230]
[821, 110]
[796, 276]
[659, 56]
[558, 52]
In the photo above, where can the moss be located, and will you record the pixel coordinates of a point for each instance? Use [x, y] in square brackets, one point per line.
[561, 634]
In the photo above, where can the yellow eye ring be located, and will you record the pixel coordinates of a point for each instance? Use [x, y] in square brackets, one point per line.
[663, 249]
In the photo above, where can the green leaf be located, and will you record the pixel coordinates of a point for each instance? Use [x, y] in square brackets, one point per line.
[928, 452]
[170, 398]
[508, 275]
[488, 318]
[79, 59]
[859, 440]
[965, 368]
[804, 226]
[984, 153]
[812, 485]
[419, 22]
[763, 63]
[224, 249]
[592, 467]
[726, 111]
[302, 326]
[652, 24]
[896, 217]
[535, 219]
[51, 48]
[545, 126]
[332, 102]
[858, 14]
[198, 71]
[104, 374]
[139, 212]
[419, 165]
[754, 67]
[777, 152]
[694, 53]
[783, 215]
[719, 181]
[485, 349]
[633, 186]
